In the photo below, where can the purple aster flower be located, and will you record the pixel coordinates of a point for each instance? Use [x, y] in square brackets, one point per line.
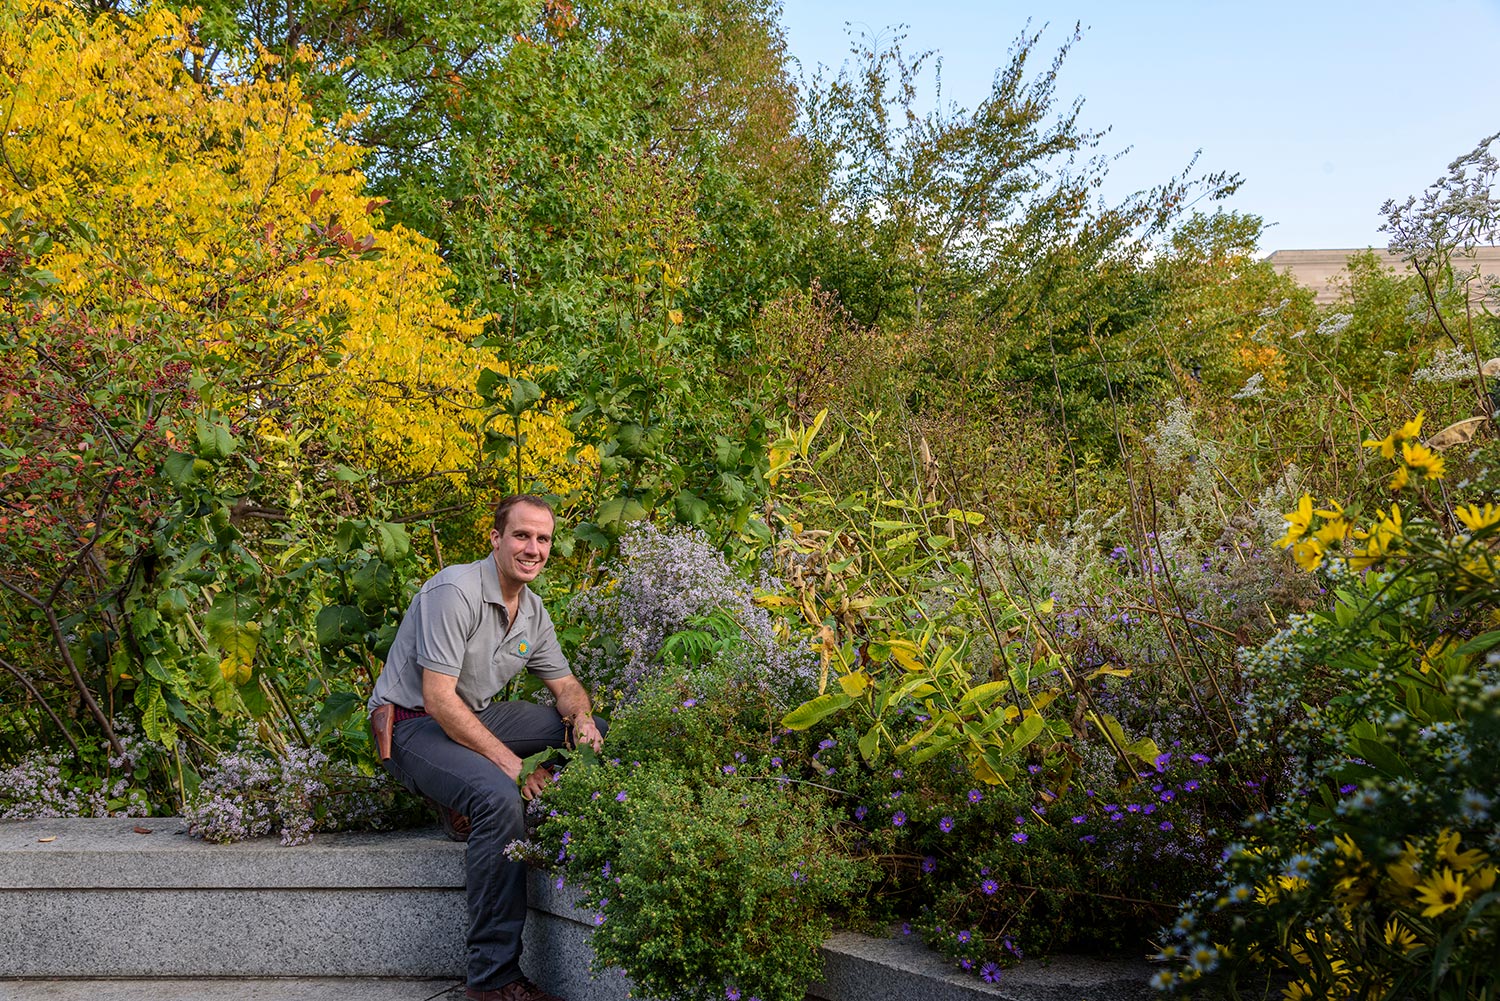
[989, 888]
[945, 825]
[899, 819]
[1163, 760]
[975, 796]
[1088, 839]
[559, 882]
[1079, 819]
[1168, 795]
[966, 963]
[1165, 825]
[827, 743]
[1020, 820]
[929, 864]
[775, 762]
[964, 937]
[1191, 785]
[689, 703]
[620, 797]
[898, 774]
[859, 812]
[1199, 759]
[990, 973]
[732, 993]
[905, 928]
[1020, 837]
[729, 769]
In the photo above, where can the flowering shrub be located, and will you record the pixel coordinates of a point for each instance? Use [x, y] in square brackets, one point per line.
[990, 875]
[1373, 874]
[94, 783]
[662, 583]
[250, 792]
[694, 787]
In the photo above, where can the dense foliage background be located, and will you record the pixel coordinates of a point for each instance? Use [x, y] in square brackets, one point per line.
[957, 551]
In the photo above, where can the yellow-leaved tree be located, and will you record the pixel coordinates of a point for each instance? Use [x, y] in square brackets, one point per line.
[241, 224]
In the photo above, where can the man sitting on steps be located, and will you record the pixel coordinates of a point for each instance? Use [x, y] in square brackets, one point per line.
[467, 633]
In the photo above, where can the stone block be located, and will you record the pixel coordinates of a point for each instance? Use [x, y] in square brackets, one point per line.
[100, 900]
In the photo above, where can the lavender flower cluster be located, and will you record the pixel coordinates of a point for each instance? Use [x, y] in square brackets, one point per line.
[48, 784]
[663, 581]
[251, 792]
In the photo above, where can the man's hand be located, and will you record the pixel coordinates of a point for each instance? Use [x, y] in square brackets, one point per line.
[585, 732]
[573, 704]
[536, 782]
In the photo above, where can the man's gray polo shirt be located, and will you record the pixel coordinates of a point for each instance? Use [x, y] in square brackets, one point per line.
[456, 625]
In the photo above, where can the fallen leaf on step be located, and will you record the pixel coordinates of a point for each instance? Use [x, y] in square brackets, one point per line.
[45, 840]
[141, 830]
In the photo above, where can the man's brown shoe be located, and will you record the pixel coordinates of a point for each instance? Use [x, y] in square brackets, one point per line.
[516, 990]
[455, 824]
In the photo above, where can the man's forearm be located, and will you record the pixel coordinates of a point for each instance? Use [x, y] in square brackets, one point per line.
[574, 702]
[459, 722]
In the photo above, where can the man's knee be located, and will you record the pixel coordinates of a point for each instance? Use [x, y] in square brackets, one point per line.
[497, 801]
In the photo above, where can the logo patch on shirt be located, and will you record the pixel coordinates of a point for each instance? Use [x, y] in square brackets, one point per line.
[522, 647]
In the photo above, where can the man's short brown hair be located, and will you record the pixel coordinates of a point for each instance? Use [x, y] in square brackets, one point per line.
[502, 510]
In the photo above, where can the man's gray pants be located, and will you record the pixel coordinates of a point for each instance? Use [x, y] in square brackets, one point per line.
[428, 762]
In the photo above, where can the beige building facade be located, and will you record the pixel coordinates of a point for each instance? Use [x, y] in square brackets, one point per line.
[1318, 269]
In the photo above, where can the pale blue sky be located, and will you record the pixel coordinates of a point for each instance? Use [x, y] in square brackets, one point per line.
[1325, 108]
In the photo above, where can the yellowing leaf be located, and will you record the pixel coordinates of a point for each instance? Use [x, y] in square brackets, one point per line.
[854, 685]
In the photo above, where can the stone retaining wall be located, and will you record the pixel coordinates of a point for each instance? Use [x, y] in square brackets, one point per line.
[95, 899]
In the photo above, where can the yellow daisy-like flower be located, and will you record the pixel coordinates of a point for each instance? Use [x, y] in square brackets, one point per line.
[1406, 870]
[1297, 990]
[1441, 892]
[1447, 846]
[1423, 460]
[1477, 519]
[1380, 540]
[1387, 445]
[1406, 432]
[1308, 554]
[1334, 528]
[1482, 880]
[1398, 936]
[1298, 522]
[1346, 846]
[1400, 479]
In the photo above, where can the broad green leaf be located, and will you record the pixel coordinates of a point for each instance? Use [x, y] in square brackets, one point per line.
[231, 624]
[816, 710]
[1379, 754]
[374, 584]
[618, 512]
[393, 541]
[336, 710]
[869, 745]
[179, 468]
[340, 625]
[983, 693]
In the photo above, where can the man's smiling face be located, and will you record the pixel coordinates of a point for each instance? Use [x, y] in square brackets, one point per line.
[521, 550]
